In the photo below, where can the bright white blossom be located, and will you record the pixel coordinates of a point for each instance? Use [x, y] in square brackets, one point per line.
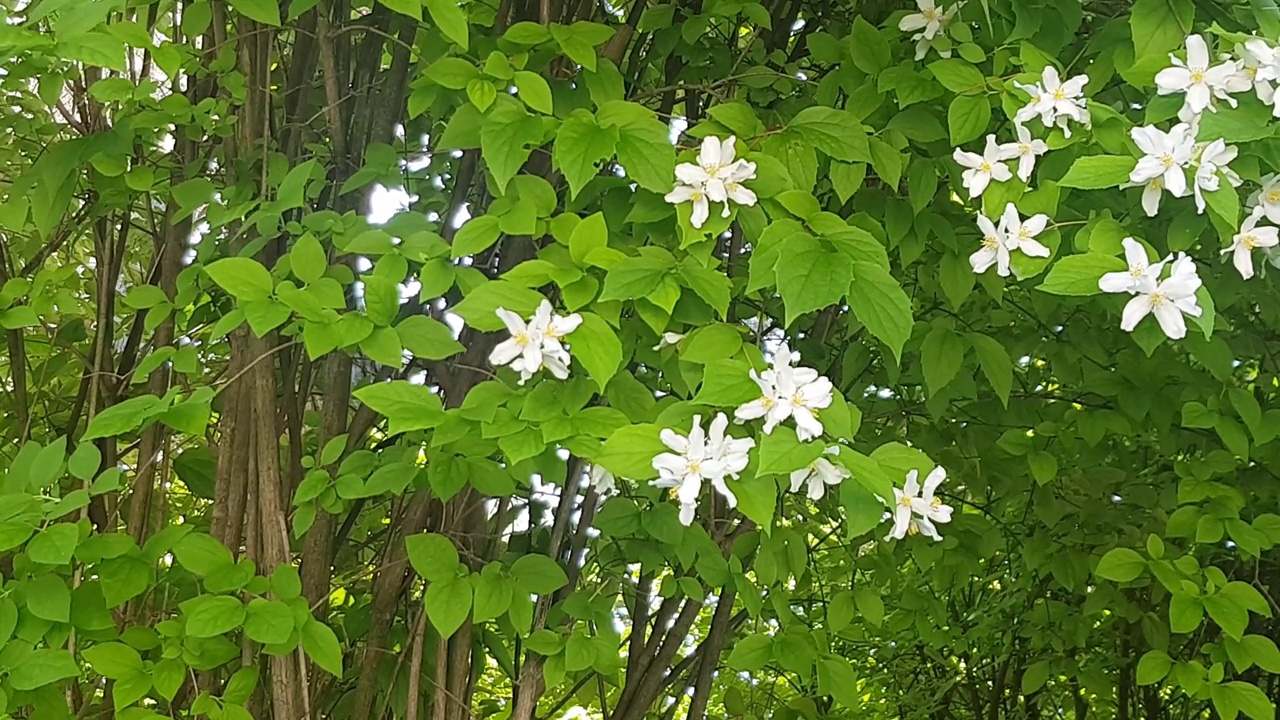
[536, 344]
[982, 169]
[1259, 68]
[1021, 234]
[930, 26]
[919, 510]
[602, 480]
[1250, 237]
[1166, 156]
[1054, 101]
[818, 475]
[1213, 160]
[668, 339]
[1268, 198]
[716, 178]
[994, 250]
[1197, 78]
[789, 392]
[1141, 275]
[1026, 149]
[700, 456]
[1169, 300]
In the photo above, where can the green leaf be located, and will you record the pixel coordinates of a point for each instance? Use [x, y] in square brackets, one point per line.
[451, 20]
[870, 606]
[837, 133]
[644, 146]
[505, 137]
[581, 144]
[212, 615]
[482, 93]
[590, 234]
[410, 8]
[448, 604]
[538, 574]
[54, 545]
[957, 75]
[244, 278]
[968, 117]
[534, 91]
[1153, 667]
[122, 417]
[48, 598]
[630, 450]
[1035, 676]
[1250, 121]
[1159, 26]
[269, 622]
[996, 364]
[1120, 565]
[113, 660]
[812, 278]
[782, 452]
[879, 302]
[751, 653]
[451, 72]
[840, 611]
[1097, 172]
[1079, 274]
[406, 405]
[433, 556]
[597, 347]
[476, 235]
[941, 356]
[428, 338]
[42, 667]
[321, 645]
[579, 652]
[201, 554]
[636, 277]
[266, 12]
[478, 307]
[1185, 613]
[492, 596]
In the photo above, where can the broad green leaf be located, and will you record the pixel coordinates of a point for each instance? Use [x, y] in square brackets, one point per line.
[630, 450]
[211, 615]
[428, 338]
[244, 278]
[1079, 274]
[941, 356]
[879, 302]
[781, 452]
[268, 621]
[534, 91]
[1153, 667]
[968, 117]
[448, 604]
[322, 647]
[1097, 172]
[433, 556]
[597, 347]
[406, 405]
[581, 145]
[1120, 565]
[113, 660]
[451, 20]
[54, 545]
[43, 667]
[539, 574]
[264, 11]
[835, 132]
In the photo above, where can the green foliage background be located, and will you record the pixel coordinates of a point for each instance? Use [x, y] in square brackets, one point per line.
[248, 471]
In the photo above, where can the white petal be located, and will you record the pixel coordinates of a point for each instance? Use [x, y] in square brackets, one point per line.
[1170, 319]
[1136, 309]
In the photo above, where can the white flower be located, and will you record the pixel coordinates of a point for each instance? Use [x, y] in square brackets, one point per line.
[789, 392]
[1200, 81]
[1268, 198]
[1026, 150]
[818, 475]
[716, 177]
[1166, 156]
[602, 480]
[1213, 159]
[931, 22]
[1141, 275]
[994, 250]
[668, 339]
[1152, 192]
[916, 509]
[1259, 68]
[697, 458]
[1056, 102]
[1250, 237]
[1020, 234]
[1170, 300]
[536, 344]
[984, 168]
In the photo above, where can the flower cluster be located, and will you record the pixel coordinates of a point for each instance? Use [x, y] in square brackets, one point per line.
[818, 475]
[716, 178]
[1168, 155]
[930, 27]
[1200, 81]
[1167, 299]
[916, 509]
[1057, 103]
[536, 344]
[700, 456]
[1013, 233]
[1250, 238]
[789, 392]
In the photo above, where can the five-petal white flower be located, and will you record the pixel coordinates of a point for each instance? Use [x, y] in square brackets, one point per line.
[789, 392]
[1169, 300]
[1251, 236]
[994, 250]
[601, 479]
[1268, 198]
[536, 344]
[1259, 68]
[1026, 149]
[1166, 156]
[918, 510]
[984, 168]
[716, 177]
[929, 26]
[1021, 234]
[1213, 159]
[1141, 275]
[1197, 78]
[818, 475]
[1054, 101]
[700, 457]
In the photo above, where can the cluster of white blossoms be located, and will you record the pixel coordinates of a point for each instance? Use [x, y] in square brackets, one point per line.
[1055, 102]
[788, 392]
[700, 456]
[1013, 233]
[930, 27]
[536, 344]
[1168, 155]
[1168, 299]
[918, 510]
[716, 178]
